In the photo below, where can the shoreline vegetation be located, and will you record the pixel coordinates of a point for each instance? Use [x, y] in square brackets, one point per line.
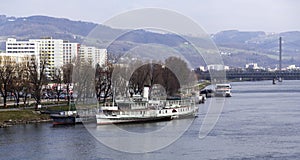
[10, 118]
[13, 116]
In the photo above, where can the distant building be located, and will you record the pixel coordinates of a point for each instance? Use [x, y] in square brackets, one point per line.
[202, 68]
[217, 67]
[56, 51]
[93, 55]
[21, 47]
[252, 66]
[292, 67]
[51, 50]
[20, 51]
[70, 51]
[226, 68]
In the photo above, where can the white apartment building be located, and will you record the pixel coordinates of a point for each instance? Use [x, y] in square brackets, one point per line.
[21, 51]
[70, 51]
[101, 57]
[22, 47]
[56, 51]
[51, 50]
[93, 55]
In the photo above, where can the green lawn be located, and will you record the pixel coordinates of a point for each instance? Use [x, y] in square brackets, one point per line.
[21, 115]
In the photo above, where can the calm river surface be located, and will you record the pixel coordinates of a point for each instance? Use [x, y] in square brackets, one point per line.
[260, 121]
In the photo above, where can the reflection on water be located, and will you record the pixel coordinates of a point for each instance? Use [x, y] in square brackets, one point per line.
[260, 121]
[140, 138]
[142, 127]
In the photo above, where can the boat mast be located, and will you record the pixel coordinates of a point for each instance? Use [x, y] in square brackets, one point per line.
[113, 97]
[280, 50]
[280, 59]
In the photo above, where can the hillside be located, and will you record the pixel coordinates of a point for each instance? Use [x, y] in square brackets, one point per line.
[43, 26]
[237, 47]
[246, 47]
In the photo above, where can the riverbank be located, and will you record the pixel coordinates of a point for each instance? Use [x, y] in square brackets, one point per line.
[9, 118]
[14, 116]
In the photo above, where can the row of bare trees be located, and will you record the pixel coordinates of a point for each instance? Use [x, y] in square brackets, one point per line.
[131, 78]
[172, 75]
[28, 77]
[22, 79]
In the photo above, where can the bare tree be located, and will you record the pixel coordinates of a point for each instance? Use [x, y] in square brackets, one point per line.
[151, 74]
[67, 78]
[184, 75]
[180, 68]
[119, 80]
[6, 76]
[27, 86]
[19, 82]
[57, 78]
[140, 76]
[84, 82]
[170, 81]
[103, 82]
[37, 76]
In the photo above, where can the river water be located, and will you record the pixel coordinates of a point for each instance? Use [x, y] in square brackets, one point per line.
[260, 121]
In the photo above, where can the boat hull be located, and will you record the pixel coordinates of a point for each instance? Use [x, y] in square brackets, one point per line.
[104, 121]
[164, 115]
[222, 94]
[63, 120]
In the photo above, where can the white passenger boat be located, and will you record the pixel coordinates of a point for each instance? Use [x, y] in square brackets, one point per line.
[223, 90]
[140, 109]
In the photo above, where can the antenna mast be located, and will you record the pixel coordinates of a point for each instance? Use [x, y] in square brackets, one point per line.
[280, 50]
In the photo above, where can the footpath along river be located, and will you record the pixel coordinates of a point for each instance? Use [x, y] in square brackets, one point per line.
[260, 121]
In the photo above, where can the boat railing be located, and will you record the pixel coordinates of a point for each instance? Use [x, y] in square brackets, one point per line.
[113, 108]
[138, 105]
[178, 103]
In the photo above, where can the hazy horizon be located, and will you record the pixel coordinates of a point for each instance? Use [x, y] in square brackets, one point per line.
[214, 16]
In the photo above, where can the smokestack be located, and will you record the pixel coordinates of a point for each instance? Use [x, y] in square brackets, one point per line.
[146, 92]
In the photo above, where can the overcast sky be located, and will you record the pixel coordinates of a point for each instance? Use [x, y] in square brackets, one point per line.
[212, 15]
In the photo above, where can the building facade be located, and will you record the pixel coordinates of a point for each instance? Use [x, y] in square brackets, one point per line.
[70, 51]
[50, 50]
[21, 51]
[56, 52]
[21, 47]
[93, 55]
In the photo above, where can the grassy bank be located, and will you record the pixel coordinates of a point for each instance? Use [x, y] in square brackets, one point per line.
[8, 118]
[24, 116]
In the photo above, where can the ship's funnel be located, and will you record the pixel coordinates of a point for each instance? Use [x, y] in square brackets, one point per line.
[146, 92]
